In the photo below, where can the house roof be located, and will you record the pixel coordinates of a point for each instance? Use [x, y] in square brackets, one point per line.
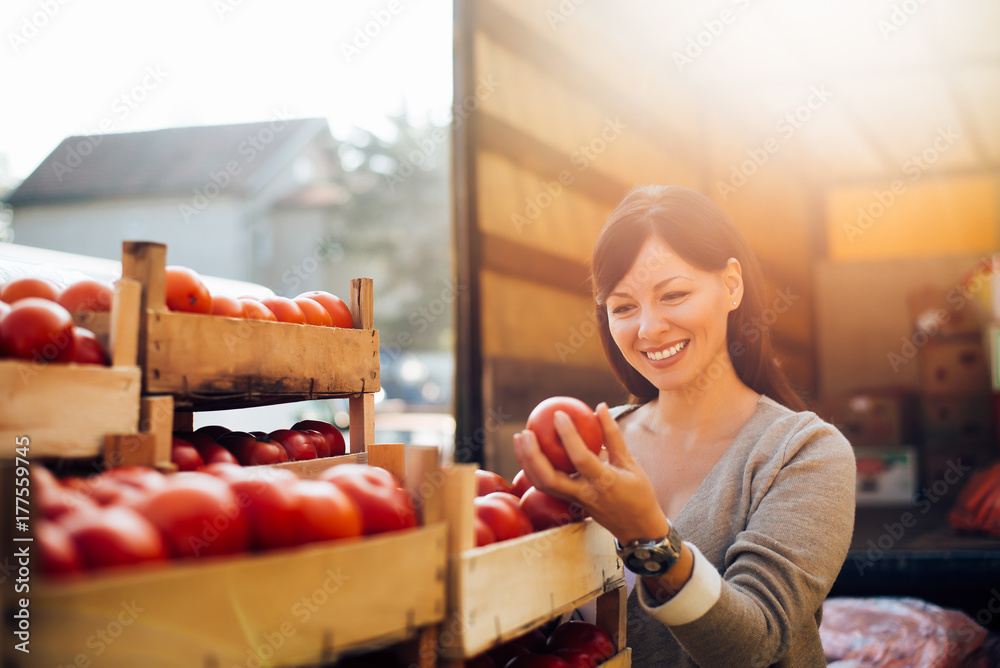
[168, 161]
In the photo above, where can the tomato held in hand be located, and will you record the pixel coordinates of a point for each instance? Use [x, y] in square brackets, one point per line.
[338, 309]
[384, 505]
[541, 422]
[506, 520]
[546, 511]
[186, 292]
[38, 329]
[488, 481]
[86, 296]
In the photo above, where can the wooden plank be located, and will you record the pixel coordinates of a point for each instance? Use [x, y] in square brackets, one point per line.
[298, 607]
[389, 456]
[67, 409]
[156, 417]
[622, 659]
[311, 468]
[361, 409]
[612, 611]
[204, 356]
[424, 481]
[538, 266]
[557, 570]
[362, 303]
[458, 491]
[123, 338]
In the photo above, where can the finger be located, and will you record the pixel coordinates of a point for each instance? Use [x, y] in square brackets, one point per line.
[537, 466]
[584, 461]
[614, 442]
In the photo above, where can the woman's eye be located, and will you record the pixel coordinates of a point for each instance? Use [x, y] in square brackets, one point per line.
[622, 308]
[674, 296]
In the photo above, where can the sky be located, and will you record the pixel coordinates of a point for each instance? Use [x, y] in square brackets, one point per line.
[71, 67]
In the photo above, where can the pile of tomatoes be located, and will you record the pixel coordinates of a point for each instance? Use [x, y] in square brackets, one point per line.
[187, 292]
[505, 511]
[572, 644]
[36, 320]
[135, 515]
[307, 439]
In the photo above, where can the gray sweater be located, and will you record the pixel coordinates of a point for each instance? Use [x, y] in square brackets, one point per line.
[774, 517]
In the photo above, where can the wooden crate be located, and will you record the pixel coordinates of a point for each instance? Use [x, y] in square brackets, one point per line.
[68, 410]
[500, 591]
[290, 608]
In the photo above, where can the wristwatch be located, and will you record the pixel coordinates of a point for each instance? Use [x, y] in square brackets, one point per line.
[651, 558]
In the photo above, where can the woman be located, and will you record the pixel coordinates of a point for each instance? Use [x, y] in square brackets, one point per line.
[732, 506]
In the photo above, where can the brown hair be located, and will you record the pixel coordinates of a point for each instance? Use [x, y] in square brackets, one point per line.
[701, 233]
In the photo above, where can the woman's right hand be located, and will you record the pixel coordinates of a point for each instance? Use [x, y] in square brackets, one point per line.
[616, 493]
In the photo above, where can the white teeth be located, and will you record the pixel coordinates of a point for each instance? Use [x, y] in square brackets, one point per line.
[669, 352]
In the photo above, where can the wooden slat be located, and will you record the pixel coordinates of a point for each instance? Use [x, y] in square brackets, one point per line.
[123, 338]
[361, 409]
[389, 456]
[537, 266]
[312, 468]
[301, 606]
[67, 409]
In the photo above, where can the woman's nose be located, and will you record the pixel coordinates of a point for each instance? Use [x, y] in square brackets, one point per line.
[651, 324]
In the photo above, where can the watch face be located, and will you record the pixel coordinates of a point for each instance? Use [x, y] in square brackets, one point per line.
[645, 562]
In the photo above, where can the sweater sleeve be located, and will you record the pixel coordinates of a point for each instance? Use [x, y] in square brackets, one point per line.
[781, 566]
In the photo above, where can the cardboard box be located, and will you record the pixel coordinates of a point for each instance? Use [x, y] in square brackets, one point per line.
[955, 366]
[886, 476]
[876, 418]
[952, 419]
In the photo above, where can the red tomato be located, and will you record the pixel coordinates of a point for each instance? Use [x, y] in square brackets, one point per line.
[533, 641]
[186, 292]
[546, 511]
[4, 310]
[20, 288]
[540, 421]
[520, 484]
[284, 309]
[484, 534]
[506, 520]
[249, 451]
[38, 329]
[318, 441]
[506, 653]
[339, 311]
[314, 312]
[58, 501]
[576, 658]
[228, 307]
[140, 477]
[488, 481]
[481, 661]
[508, 498]
[198, 515]
[537, 661]
[213, 431]
[254, 310]
[88, 349]
[209, 450]
[334, 437]
[105, 490]
[113, 536]
[585, 636]
[57, 551]
[325, 511]
[87, 295]
[271, 505]
[384, 505]
[185, 455]
[296, 444]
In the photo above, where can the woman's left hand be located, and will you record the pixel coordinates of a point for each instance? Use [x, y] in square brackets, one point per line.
[616, 493]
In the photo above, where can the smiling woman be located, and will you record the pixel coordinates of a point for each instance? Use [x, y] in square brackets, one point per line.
[731, 505]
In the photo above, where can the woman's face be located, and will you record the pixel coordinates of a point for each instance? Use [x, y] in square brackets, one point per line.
[668, 317]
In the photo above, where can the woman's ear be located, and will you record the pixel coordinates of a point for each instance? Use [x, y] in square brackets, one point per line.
[733, 278]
